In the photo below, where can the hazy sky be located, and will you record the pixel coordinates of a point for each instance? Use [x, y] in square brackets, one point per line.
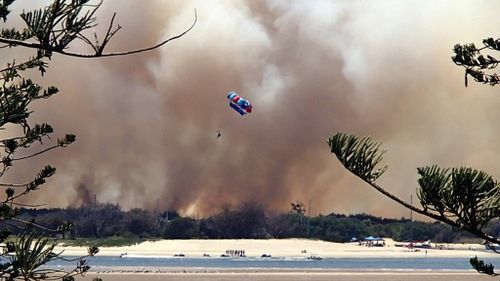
[146, 124]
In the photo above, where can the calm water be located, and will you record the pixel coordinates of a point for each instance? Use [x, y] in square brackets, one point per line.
[103, 263]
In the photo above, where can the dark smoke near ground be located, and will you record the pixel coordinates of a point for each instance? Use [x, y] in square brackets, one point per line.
[146, 124]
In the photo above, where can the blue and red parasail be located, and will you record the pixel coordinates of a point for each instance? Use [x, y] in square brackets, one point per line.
[241, 105]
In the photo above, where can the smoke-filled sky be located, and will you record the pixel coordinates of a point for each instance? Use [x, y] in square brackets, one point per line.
[146, 124]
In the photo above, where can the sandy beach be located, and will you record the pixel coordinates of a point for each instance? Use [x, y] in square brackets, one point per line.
[282, 248]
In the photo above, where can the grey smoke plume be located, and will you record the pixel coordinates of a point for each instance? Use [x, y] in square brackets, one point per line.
[146, 124]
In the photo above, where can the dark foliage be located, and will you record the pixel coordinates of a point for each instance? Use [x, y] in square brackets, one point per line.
[247, 221]
[463, 198]
[45, 32]
[477, 63]
[181, 228]
[481, 266]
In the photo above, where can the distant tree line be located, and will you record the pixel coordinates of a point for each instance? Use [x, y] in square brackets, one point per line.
[247, 221]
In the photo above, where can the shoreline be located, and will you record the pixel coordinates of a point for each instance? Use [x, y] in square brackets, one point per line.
[283, 248]
[289, 276]
[275, 271]
[286, 248]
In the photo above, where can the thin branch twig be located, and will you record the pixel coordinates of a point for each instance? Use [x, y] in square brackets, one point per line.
[14, 42]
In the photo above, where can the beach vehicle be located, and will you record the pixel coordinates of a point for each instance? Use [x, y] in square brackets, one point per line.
[314, 257]
[415, 244]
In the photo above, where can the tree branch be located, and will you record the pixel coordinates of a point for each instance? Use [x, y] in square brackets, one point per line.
[36, 153]
[13, 42]
[432, 215]
[361, 156]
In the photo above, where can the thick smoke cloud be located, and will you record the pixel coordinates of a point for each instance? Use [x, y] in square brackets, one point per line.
[146, 124]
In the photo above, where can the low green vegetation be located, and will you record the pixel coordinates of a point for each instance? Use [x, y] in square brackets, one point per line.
[108, 225]
[113, 241]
